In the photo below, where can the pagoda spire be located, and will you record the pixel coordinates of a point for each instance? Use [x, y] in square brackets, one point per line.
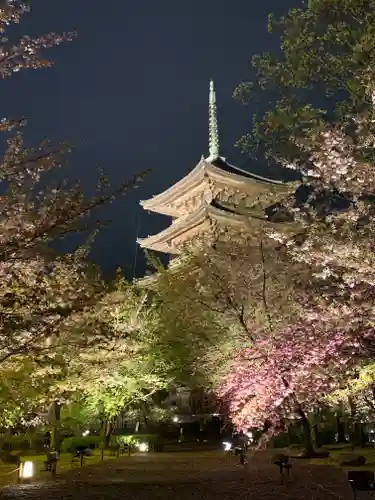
[213, 125]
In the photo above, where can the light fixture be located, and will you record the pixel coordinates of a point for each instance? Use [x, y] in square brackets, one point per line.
[227, 446]
[143, 447]
[26, 471]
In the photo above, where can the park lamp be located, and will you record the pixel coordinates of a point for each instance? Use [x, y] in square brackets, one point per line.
[142, 447]
[250, 436]
[227, 446]
[26, 471]
[85, 433]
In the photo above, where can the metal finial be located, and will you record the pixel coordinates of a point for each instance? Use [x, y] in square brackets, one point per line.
[213, 125]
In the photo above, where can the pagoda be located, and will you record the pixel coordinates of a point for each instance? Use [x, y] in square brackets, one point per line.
[206, 199]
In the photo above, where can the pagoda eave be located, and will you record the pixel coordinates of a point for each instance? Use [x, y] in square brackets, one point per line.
[203, 177]
[185, 228]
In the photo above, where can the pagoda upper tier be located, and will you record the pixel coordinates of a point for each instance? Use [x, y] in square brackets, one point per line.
[203, 185]
[204, 199]
[197, 202]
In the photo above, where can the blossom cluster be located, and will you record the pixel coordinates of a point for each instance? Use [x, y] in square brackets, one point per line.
[296, 370]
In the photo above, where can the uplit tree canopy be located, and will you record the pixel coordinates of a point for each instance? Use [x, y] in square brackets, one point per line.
[332, 152]
[292, 374]
[60, 328]
[42, 294]
[327, 57]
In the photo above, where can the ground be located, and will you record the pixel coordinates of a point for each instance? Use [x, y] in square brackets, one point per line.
[204, 476]
[9, 472]
[335, 452]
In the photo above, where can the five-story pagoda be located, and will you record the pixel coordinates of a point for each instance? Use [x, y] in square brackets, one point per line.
[205, 200]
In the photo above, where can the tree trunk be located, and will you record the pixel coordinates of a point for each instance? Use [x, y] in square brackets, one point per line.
[103, 427]
[315, 436]
[290, 434]
[30, 433]
[340, 427]
[308, 435]
[355, 427]
[108, 432]
[357, 434]
[145, 420]
[55, 423]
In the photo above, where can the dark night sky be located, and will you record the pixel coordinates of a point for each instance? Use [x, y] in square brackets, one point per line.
[131, 93]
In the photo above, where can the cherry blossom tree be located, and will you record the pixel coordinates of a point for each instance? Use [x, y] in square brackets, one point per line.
[332, 153]
[41, 293]
[57, 313]
[291, 374]
[327, 49]
[100, 360]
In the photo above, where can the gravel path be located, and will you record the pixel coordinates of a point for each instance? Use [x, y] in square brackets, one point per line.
[180, 477]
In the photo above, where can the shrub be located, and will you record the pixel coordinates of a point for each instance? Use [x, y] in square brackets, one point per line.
[286, 439]
[71, 444]
[326, 436]
[279, 441]
[155, 441]
[125, 439]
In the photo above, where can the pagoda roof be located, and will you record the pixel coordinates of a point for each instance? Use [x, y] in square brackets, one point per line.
[162, 242]
[213, 171]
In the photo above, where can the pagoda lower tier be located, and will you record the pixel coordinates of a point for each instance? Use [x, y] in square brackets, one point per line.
[202, 223]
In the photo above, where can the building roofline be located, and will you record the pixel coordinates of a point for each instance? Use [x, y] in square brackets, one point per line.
[190, 221]
[204, 168]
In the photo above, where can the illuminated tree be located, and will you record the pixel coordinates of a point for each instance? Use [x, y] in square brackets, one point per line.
[40, 291]
[102, 363]
[327, 50]
[56, 311]
[290, 374]
[218, 301]
[333, 154]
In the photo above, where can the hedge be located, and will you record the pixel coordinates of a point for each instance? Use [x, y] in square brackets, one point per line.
[326, 436]
[71, 444]
[22, 443]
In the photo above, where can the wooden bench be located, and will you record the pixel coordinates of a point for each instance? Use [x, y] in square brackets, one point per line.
[282, 461]
[80, 453]
[119, 449]
[125, 449]
[50, 464]
[361, 480]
